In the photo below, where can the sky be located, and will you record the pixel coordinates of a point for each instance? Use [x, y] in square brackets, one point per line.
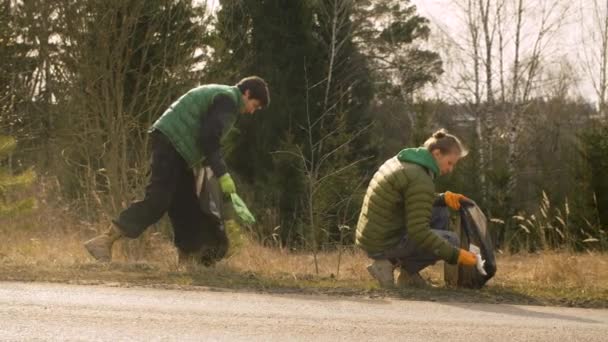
[568, 43]
[212, 3]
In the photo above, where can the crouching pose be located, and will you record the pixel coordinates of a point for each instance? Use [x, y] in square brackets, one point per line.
[399, 226]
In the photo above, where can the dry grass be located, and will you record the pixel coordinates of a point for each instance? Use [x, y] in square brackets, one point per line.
[47, 247]
[555, 269]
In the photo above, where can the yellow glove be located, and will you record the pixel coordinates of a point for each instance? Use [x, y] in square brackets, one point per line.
[452, 200]
[466, 258]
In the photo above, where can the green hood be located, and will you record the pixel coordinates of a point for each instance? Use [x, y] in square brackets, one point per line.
[420, 156]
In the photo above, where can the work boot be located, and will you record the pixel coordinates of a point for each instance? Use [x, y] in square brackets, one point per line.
[410, 280]
[190, 262]
[100, 247]
[184, 259]
[382, 271]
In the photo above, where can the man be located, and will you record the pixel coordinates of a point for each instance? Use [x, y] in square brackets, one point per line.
[188, 133]
[395, 222]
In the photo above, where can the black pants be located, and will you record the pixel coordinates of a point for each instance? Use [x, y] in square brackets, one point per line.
[170, 190]
[412, 258]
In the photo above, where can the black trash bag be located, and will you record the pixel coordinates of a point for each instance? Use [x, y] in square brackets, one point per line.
[473, 230]
[214, 242]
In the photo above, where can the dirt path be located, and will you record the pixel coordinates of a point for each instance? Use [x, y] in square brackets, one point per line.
[40, 311]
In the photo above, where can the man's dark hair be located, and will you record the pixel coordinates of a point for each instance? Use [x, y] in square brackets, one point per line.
[258, 89]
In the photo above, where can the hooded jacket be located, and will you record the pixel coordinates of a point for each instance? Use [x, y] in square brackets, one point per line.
[399, 201]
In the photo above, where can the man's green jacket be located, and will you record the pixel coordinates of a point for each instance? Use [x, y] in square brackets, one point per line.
[197, 121]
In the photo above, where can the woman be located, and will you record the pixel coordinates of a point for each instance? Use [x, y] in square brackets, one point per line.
[399, 226]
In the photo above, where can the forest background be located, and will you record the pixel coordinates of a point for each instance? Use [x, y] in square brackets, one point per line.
[352, 82]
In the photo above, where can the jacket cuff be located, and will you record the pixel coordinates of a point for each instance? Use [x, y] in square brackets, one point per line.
[440, 200]
[453, 260]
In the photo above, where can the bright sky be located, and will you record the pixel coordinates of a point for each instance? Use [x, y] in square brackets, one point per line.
[567, 44]
[213, 3]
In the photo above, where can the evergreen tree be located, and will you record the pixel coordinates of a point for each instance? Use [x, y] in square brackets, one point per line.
[292, 44]
[272, 39]
[10, 203]
[323, 62]
[595, 149]
[391, 34]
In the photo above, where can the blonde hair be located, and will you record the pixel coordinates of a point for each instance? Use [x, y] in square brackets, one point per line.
[445, 143]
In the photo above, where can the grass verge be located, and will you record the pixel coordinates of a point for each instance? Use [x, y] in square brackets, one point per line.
[28, 253]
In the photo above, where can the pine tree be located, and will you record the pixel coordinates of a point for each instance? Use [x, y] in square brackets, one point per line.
[9, 183]
[320, 89]
[391, 34]
[595, 149]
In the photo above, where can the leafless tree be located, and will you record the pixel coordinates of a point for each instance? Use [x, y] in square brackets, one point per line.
[527, 63]
[594, 51]
[314, 164]
[121, 76]
[327, 135]
[478, 46]
[525, 30]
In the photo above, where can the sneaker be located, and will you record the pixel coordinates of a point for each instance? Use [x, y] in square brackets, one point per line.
[411, 280]
[382, 271]
[100, 247]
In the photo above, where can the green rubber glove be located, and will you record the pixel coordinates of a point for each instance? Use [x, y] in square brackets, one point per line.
[227, 184]
[241, 209]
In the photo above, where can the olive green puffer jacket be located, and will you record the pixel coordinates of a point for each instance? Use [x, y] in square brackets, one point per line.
[400, 198]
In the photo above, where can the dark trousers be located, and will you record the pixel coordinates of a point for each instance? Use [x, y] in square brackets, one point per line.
[170, 190]
[413, 259]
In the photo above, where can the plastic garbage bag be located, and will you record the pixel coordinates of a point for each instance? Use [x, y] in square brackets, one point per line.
[227, 212]
[214, 245]
[474, 236]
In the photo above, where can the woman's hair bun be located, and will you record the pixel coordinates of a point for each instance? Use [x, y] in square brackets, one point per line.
[440, 133]
[446, 143]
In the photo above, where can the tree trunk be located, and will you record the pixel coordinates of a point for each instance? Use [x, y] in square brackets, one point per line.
[604, 62]
[513, 131]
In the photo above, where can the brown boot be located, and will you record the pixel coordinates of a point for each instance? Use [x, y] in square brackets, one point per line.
[184, 259]
[382, 271]
[411, 280]
[100, 247]
[189, 262]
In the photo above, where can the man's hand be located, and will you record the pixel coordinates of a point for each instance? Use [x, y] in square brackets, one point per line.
[227, 184]
[466, 258]
[452, 200]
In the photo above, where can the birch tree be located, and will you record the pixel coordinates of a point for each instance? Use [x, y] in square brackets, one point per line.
[475, 87]
[594, 52]
[529, 51]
